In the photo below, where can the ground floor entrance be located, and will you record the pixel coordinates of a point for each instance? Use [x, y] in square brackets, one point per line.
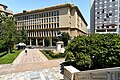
[42, 42]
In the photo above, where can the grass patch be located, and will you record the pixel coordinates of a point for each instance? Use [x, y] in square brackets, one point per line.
[2, 54]
[50, 55]
[10, 57]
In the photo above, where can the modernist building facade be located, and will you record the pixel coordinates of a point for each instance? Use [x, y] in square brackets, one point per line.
[104, 16]
[49, 21]
[3, 9]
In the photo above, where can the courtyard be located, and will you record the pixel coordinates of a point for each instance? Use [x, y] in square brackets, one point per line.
[31, 66]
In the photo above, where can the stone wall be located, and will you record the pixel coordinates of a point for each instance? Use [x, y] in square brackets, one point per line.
[99, 74]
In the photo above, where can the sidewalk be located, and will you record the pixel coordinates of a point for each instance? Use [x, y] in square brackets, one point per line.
[33, 66]
[33, 55]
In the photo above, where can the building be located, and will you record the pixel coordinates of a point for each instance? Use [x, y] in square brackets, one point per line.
[49, 21]
[3, 9]
[104, 16]
[89, 32]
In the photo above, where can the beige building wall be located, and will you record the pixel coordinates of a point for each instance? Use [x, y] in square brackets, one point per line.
[64, 17]
[68, 19]
[3, 9]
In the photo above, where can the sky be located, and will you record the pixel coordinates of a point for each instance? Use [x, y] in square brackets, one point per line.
[20, 5]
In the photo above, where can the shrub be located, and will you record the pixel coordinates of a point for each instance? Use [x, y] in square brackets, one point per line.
[94, 51]
[50, 55]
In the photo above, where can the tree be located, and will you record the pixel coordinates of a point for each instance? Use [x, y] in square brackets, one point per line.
[8, 32]
[65, 37]
[95, 51]
[47, 41]
[23, 35]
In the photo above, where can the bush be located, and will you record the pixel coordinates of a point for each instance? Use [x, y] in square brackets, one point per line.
[50, 55]
[94, 51]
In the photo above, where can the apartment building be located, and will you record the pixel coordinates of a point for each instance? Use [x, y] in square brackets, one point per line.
[104, 16]
[49, 21]
[3, 9]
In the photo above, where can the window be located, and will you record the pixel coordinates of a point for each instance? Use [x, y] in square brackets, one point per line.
[98, 12]
[49, 19]
[103, 11]
[57, 19]
[107, 26]
[105, 20]
[113, 26]
[100, 30]
[54, 19]
[112, 30]
[103, 26]
[98, 27]
[107, 15]
[54, 25]
[47, 14]
[49, 25]
[57, 13]
[54, 13]
[110, 14]
[57, 24]
[98, 17]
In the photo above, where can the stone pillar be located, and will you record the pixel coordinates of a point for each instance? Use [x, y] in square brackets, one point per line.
[43, 42]
[50, 41]
[30, 42]
[36, 42]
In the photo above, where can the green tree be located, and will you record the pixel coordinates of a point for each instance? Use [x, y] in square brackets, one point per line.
[23, 35]
[8, 32]
[47, 41]
[65, 37]
[2, 42]
[95, 51]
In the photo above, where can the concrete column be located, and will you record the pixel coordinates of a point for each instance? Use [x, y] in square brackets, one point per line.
[51, 41]
[43, 42]
[30, 42]
[36, 42]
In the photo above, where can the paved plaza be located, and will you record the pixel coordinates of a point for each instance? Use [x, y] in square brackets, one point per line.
[32, 56]
[42, 74]
[31, 66]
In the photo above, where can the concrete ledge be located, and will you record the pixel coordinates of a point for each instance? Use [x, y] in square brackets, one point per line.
[69, 72]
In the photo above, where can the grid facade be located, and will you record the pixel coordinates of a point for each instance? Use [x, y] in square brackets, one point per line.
[49, 21]
[106, 16]
[39, 24]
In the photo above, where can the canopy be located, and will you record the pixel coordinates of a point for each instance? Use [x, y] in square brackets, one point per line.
[21, 44]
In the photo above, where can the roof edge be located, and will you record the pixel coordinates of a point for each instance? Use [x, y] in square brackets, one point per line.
[79, 13]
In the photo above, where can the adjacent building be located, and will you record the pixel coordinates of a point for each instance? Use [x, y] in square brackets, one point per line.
[50, 21]
[3, 9]
[104, 16]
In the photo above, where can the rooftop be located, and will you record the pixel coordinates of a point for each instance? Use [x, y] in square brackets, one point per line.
[3, 5]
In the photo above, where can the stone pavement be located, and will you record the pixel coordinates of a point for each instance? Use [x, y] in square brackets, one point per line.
[31, 66]
[42, 74]
[33, 55]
